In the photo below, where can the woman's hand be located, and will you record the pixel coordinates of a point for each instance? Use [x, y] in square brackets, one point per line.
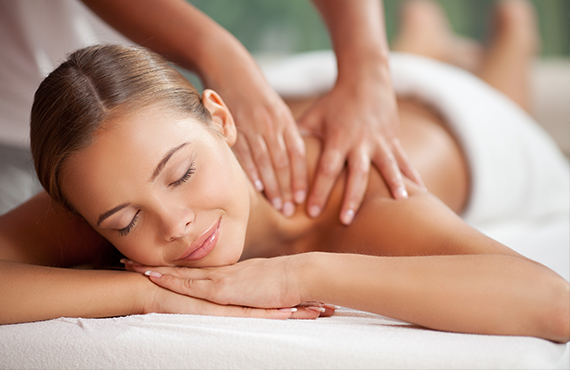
[262, 283]
[162, 300]
[358, 121]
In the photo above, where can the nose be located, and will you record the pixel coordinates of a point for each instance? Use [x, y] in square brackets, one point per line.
[176, 222]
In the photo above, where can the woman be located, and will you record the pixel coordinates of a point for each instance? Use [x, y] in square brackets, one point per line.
[122, 141]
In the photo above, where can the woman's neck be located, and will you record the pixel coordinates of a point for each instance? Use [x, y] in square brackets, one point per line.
[269, 233]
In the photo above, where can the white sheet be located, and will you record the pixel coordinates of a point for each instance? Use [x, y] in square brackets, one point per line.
[349, 340]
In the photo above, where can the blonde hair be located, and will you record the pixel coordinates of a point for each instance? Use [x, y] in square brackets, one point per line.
[92, 86]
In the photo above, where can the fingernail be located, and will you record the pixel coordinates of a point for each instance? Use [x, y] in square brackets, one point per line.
[316, 309]
[300, 196]
[348, 216]
[402, 193]
[314, 210]
[277, 203]
[288, 310]
[124, 261]
[288, 209]
[258, 185]
[153, 274]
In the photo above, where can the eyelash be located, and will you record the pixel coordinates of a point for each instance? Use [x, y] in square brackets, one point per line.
[125, 231]
[186, 176]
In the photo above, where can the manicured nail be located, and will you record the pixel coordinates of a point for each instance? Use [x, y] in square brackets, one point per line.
[402, 193]
[153, 274]
[314, 210]
[288, 209]
[348, 216]
[277, 204]
[300, 196]
[258, 185]
[316, 309]
[288, 310]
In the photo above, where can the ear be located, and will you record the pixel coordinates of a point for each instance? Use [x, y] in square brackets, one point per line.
[222, 119]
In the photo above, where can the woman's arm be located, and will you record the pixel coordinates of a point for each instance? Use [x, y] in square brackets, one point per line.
[435, 271]
[480, 293]
[39, 235]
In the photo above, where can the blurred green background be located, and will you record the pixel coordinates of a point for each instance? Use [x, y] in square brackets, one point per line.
[289, 26]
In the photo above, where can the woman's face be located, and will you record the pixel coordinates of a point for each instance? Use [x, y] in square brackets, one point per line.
[164, 188]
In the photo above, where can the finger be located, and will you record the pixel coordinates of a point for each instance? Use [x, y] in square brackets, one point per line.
[262, 159]
[330, 165]
[388, 168]
[305, 314]
[180, 272]
[278, 152]
[405, 164]
[297, 157]
[197, 288]
[238, 311]
[244, 156]
[357, 182]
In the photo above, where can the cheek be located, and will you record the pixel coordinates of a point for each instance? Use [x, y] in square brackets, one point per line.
[139, 248]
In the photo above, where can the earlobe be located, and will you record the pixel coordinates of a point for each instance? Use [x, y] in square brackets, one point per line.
[222, 119]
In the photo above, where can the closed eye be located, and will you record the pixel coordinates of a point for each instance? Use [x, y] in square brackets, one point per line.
[126, 230]
[185, 177]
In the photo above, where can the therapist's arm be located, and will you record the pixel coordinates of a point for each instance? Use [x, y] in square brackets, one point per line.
[358, 118]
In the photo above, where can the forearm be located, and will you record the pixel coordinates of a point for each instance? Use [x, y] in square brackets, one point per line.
[32, 293]
[487, 294]
[175, 29]
[358, 35]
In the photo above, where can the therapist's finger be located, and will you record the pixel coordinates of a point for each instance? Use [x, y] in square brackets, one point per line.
[299, 175]
[405, 164]
[262, 159]
[330, 166]
[357, 182]
[388, 167]
[281, 166]
[244, 155]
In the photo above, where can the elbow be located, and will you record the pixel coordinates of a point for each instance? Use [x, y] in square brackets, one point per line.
[555, 316]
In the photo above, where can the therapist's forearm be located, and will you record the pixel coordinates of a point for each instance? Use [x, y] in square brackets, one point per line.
[33, 293]
[175, 29]
[358, 34]
[486, 294]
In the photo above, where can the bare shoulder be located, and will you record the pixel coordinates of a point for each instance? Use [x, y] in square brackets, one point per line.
[39, 232]
[427, 223]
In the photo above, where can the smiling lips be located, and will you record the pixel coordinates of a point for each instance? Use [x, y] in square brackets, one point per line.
[204, 244]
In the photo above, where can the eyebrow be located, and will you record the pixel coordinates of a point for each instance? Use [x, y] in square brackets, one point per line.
[164, 160]
[110, 212]
[155, 174]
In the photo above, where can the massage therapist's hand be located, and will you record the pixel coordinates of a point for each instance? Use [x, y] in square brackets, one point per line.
[269, 145]
[358, 121]
[263, 283]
